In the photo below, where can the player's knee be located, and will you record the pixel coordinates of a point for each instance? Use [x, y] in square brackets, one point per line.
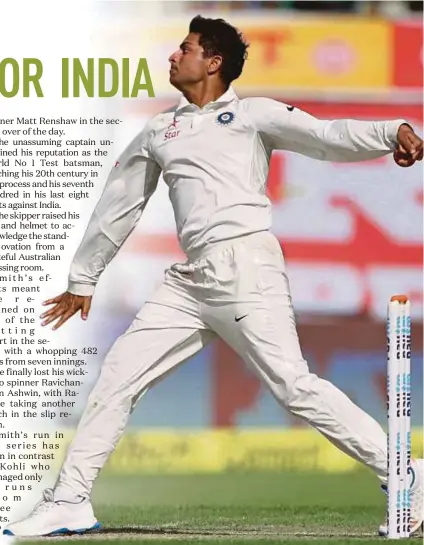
[283, 380]
[301, 389]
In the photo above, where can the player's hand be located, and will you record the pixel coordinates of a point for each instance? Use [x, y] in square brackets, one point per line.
[65, 306]
[410, 147]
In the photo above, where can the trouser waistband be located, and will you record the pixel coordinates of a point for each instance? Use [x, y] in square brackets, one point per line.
[204, 251]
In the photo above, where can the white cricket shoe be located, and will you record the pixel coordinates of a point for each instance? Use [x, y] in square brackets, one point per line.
[417, 498]
[50, 517]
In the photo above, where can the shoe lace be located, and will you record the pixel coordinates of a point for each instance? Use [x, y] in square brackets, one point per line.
[46, 503]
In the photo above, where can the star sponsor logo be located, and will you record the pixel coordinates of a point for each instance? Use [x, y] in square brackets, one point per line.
[172, 131]
[174, 124]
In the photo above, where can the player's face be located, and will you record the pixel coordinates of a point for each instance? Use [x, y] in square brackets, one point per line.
[188, 65]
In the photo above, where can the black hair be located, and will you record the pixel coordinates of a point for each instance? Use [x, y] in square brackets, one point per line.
[217, 37]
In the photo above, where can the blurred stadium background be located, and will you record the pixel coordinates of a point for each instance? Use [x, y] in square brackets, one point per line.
[352, 233]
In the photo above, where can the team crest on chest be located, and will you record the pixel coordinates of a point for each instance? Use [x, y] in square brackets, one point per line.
[225, 119]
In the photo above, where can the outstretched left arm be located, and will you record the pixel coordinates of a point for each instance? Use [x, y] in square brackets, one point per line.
[340, 140]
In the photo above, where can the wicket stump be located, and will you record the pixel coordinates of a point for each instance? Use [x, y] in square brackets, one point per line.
[399, 417]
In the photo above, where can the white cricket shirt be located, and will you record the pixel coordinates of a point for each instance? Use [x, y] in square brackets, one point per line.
[215, 162]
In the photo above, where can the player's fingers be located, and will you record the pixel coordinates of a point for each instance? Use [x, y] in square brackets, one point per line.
[49, 319]
[62, 306]
[402, 154]
[63, 319]
[53, 300]
[51, 311]
[58, 312]
[412, 143]
[403, 159]
[418, 155]
[405, 162]
[85, 308]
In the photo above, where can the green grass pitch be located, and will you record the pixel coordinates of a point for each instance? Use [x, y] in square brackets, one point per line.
[238, 508]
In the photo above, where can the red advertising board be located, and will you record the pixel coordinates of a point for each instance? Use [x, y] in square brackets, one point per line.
[408, 54]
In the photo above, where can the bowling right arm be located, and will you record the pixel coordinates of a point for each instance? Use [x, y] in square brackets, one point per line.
[128, 188]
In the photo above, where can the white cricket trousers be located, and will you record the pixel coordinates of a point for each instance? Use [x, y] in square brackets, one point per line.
[237, 290]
